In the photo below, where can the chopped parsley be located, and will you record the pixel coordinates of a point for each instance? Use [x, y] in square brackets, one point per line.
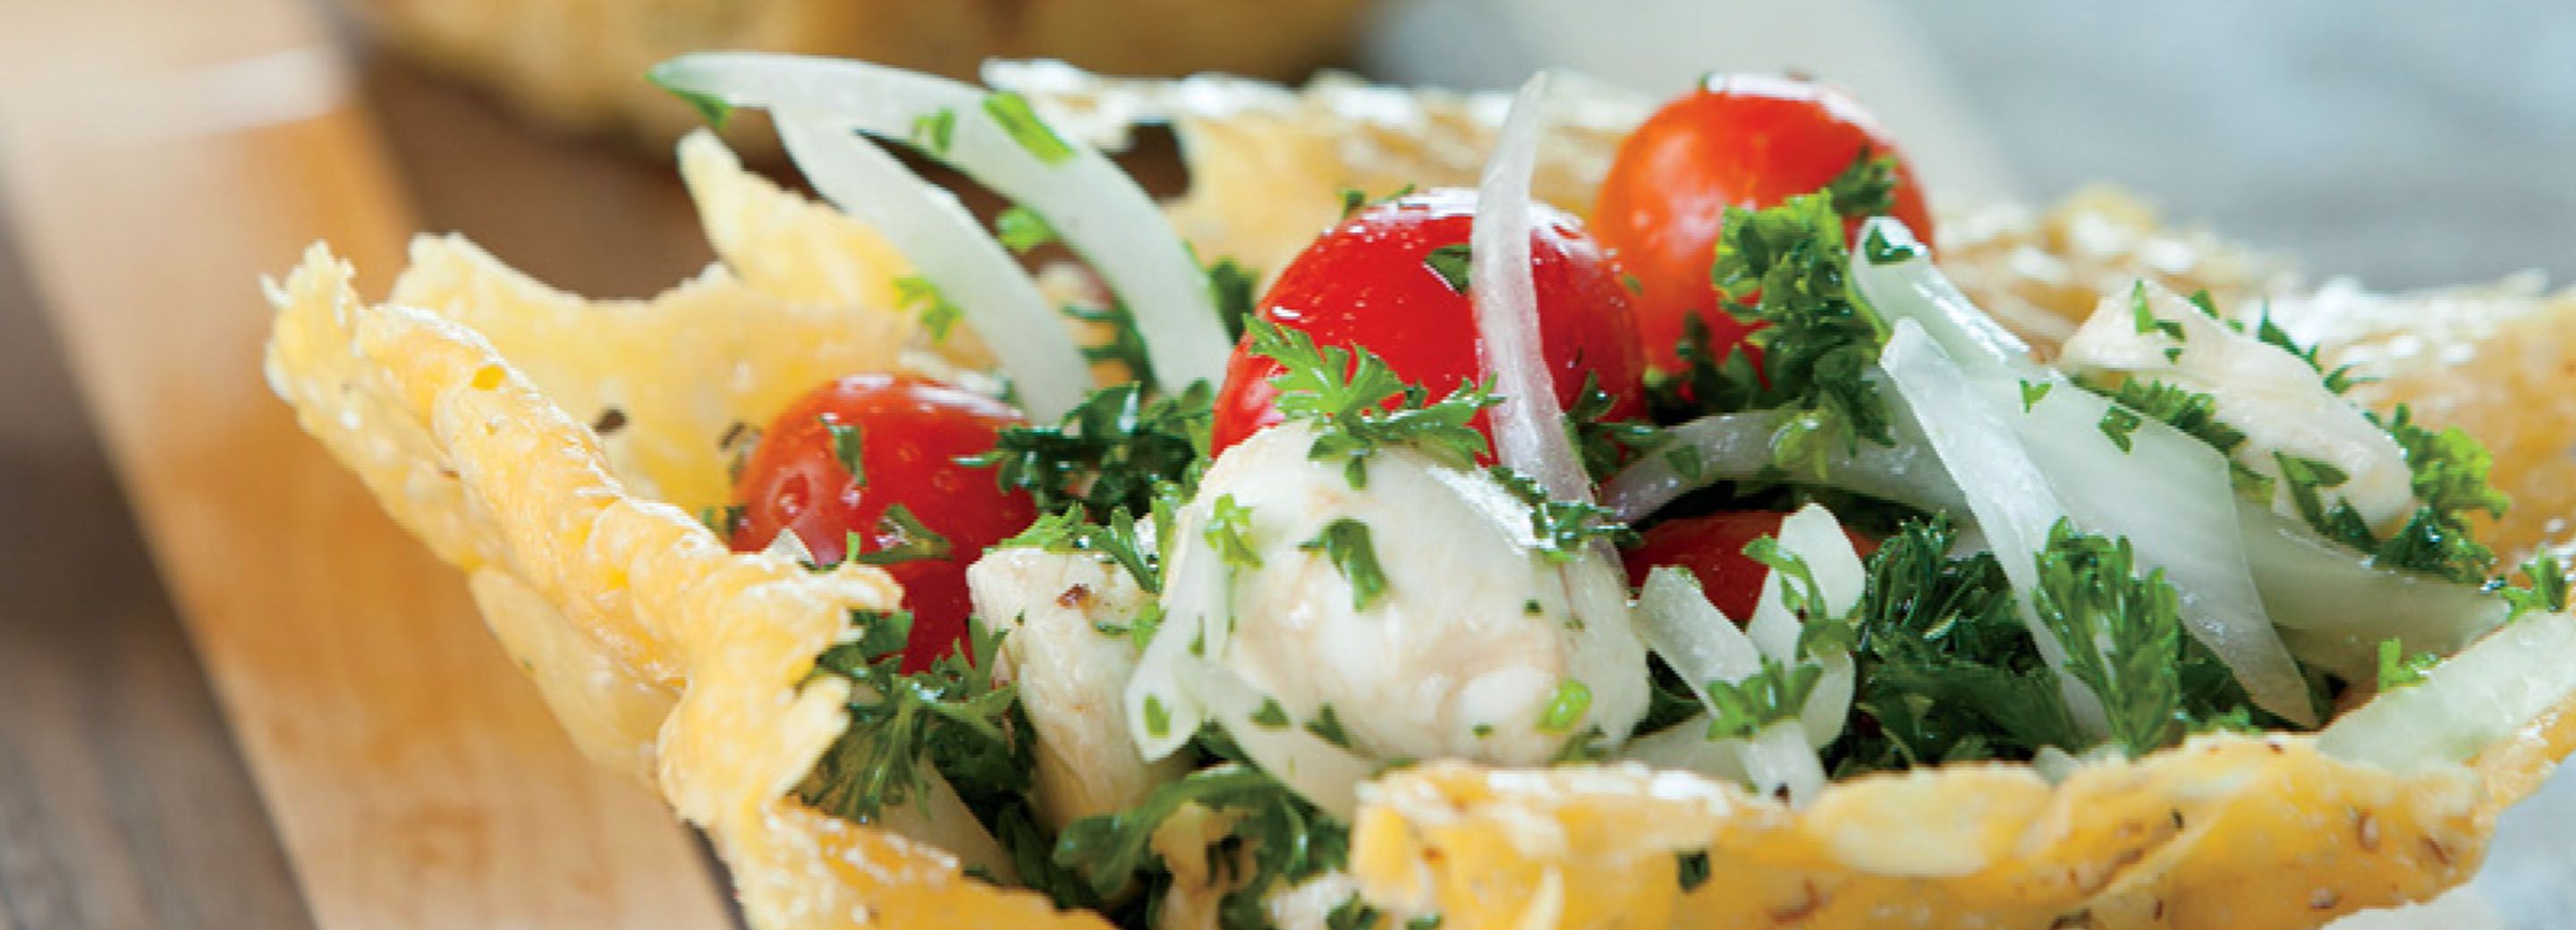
[939, 315]
[1563, 529]
[1453, 263]
[1022, 230]
[1286, 839]
[1691, 869]
[1270, 715]
[2032, 392]
[1566, 707]
[1021, 123]
[912, 541]
[952, 716]
[1354, 200]
[2546, 591]
[845, 447]
[2122, 633]
[1357, 405]
[934, 131]
[2120, 423]
[1866, 187]
[1345, 543]
[1231, 285]
[1607, 444]
[1116, 540]
[1229, 529]
[1327, 726]
[2399, 668]
[1776, 692]
[1113, 451]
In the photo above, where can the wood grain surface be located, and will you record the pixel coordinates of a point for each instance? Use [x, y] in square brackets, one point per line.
[155, 158]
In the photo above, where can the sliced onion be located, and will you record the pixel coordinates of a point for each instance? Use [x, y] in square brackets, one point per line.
[947, 246]
[2484, 693]
[2007, 492]
[1326, 775]
[1529, 426]
[1816, 538]
[1702, 645]
[1196, 586]
[1685, 746]
[2333, 606]
[1780, 761]
[1914, 289]
[1700, 642]
[1097, 209]
[1737, 447]
[2171, 496]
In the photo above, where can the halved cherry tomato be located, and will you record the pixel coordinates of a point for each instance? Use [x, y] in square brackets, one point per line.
[1369, 282]
[1742, 141]
[908, 435]
[1712, 547]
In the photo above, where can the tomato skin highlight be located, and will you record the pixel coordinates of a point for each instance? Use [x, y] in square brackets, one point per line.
[910, 433]
[1712, 548]
[1747, 141]
[1366, 282]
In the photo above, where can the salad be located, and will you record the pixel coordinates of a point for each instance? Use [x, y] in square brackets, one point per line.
[1711, 561]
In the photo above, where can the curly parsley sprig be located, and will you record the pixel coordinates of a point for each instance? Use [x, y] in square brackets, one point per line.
[951, 716]
[1357, 405]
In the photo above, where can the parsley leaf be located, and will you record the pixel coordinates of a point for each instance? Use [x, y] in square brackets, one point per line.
[1327, 726]
[951, 715]
[1288, 840]
[2397, 668]
[1345, 543]
[1866, 187]
[1232, 285]
[1021, 122]
[1069, 532]
[1453, 263]
[2122, 632]
[845, 447]
[1776, 692]
[1785, 266]
[1228, 530]
[1354, 200]
[1563, 529]
[1112, 451]
[1357, 405]
[1566, 707]
[939, 315]
[912, 541]
[1022, 230]
[2546, 591]
[1607, 444]
[934, 131]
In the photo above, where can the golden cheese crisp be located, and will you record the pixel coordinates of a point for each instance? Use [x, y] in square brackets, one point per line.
[557, 449]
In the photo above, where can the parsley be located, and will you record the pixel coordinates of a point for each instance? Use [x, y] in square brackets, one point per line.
[2398, 669]
[1069, 532]
[1112, 451]
[2032, 392]
[2449, 478]
[1288, 840]
[1327, 726]
[2120, 423]
[2122, 632]
[2143, 315]
[722, 521]
[1125, 345]
[939, 315]
[1607, 444]
[716, 110]
[933, 131]
[1566, 707]
[1563, 529]
[1351, 914]
[913, 541]
[1345, 543]
[1691, 868]
[1022, 230]
[1354, 200]
[1270, 715]
[1158, 719]
[1786, 266]
[1231, 284]
[1358, 405]
[2192, 412]
[1228, 528]
[2546, 593]
[1776, 692]
[845, 447]
[951, 715]
[1424, 922]
[1452, 263]
[1866, 187]
[1883, 252]
[1021, 122]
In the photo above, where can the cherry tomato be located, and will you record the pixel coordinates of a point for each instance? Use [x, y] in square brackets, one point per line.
[1712, 547]
[908, 433]
[1368, 282]
[1743, 141]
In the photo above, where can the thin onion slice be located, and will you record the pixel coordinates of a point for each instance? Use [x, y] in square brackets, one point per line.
[1737, 447]
[1914, 289]
[947, 246]
[2467, 703]
[1325, 774]
[1529, 430]
[2334, 607]
[1814, 537]
[1702, 645]
[1094, 207]
[2007, 492]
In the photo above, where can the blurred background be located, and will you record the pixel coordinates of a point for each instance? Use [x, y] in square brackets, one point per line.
[159, 514]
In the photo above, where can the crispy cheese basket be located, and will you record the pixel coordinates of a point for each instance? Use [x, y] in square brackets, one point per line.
[560, 452]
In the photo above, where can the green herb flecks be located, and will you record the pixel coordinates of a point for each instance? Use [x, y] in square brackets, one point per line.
[1231, 285]
[1776, 692]
[1566, 707]
[938, 314]
[900, 537]
[1866, 187]
[1607, 444]
[2122, 633]
[2399, 668]
[951, 716]
[845, 448]
[1022, 230]
[1021, 123]
[1786, 267]
[1453, 263]
[935, 131]
[1327, 726]
[1069, 531]
[2544, 589]
[1563, 529]
[1287, 840]
[1229, 531]
[1113, 451]
[1345, 543]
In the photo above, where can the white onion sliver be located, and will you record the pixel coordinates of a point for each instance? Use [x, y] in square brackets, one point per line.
[2333, 607]
[1529, 428]
[2007, 492]
[1686, 746]
[1737, 447]
[2171, 497]
[1779, 761]
[1326, 775]
[1094, 207]
[1916, 290]
[2483, 694]
[946, 245]
[1816, 538]
[1698, 640]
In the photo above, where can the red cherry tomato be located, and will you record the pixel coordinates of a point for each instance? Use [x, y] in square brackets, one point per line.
[910, 433]
[1712, 547]
[1743, 141]
[1367, 282]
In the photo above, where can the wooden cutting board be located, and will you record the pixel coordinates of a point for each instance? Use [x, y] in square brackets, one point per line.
[156, 158]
